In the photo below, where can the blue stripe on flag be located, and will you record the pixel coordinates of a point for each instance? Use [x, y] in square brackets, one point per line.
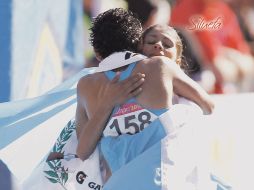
[74, 47]
[220, 184]
[5, 49]
[142, 173]
[30, 118]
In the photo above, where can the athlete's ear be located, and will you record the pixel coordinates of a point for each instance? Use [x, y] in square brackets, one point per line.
[97, 55]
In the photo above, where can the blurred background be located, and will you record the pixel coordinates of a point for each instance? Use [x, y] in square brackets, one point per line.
[45, 43]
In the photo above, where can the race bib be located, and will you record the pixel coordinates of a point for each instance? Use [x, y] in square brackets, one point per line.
[130, 118]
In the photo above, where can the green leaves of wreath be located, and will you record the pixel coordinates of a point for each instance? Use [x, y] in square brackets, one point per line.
[59, 174]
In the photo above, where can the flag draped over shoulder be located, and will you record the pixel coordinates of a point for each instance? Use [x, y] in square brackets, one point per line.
[35, 124]
[38, 40]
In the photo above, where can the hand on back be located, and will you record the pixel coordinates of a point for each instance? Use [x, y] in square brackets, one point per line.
[117, 92]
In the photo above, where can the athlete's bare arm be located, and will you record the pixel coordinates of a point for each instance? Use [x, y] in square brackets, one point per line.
[95, 101]
[184, 86]
[163, 77]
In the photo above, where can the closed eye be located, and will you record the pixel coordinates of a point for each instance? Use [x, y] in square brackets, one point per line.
[151, 42]
[167, 45]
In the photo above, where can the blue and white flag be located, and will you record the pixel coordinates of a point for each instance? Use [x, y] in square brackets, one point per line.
[35, 123]
[38, 40]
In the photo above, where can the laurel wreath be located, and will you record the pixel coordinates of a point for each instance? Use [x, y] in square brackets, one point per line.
[59, 174]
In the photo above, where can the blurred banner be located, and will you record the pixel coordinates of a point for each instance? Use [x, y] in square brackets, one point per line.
[40, 40]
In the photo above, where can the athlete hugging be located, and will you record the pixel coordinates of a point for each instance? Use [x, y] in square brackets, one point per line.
[118, 30]
[127, 96]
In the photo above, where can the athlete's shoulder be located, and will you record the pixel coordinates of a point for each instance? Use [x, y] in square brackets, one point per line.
[161, 60]
[157, 62]
[88, 82]
[84, 81]
[88, 79]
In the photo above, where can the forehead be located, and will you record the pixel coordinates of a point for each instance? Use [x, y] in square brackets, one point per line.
[164, 31]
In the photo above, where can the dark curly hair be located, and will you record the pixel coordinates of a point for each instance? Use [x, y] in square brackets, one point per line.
[115, 30]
